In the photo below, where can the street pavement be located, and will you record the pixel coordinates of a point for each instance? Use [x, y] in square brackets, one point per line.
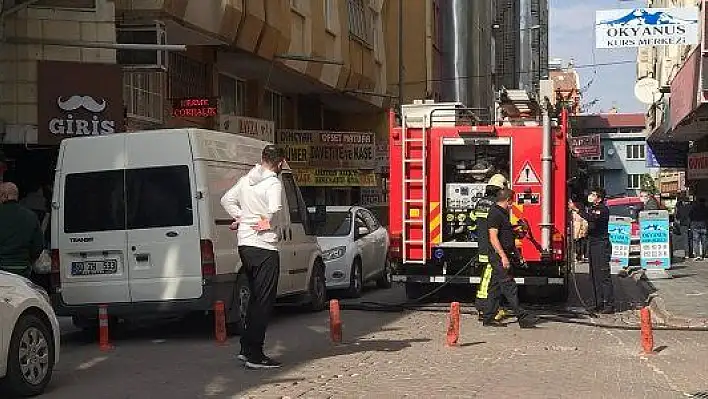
[391, 355]
[685, 294]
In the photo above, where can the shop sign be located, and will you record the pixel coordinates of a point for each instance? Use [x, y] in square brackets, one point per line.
[697, 166]
[260, 129]
[636, 27]
[666, 154]
[684, 90]
[586, 146]
[321, 149]
[78, 99]
[334, 178]
[382, 158]
[370, 196]
[200, 107]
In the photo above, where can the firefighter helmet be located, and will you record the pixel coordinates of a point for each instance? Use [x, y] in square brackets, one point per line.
[497, 180]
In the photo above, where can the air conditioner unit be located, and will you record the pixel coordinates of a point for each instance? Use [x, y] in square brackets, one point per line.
[144, 33]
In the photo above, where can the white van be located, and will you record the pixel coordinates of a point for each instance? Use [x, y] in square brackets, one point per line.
[138, 225]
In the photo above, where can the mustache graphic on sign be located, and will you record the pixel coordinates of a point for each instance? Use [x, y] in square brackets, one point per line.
[86, 102]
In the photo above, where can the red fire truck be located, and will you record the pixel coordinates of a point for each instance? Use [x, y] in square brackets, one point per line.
[441, 156]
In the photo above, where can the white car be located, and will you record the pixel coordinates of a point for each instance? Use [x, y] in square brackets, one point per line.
[354, 248]
[29, 337]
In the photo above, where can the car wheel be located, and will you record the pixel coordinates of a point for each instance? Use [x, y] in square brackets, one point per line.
[242, 298]
[30, 360]
[356, 280]
[385, 280]
[318, 288]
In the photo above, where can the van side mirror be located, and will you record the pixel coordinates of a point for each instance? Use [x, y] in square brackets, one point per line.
[362, 231]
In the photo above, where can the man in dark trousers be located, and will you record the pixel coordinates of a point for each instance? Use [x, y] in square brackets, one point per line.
[253, 202]
[481, 212]
[502, 256]
[599, 248]
[21, 240]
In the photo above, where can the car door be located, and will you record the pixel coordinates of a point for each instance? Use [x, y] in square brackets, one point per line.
[281, 225]
[298, 236]
[364, 241]
[379, 238]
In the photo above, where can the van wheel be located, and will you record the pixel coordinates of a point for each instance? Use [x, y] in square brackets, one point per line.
[318, 288]
[385, 280]
[242, 298]
[356, 280]
[30, 361]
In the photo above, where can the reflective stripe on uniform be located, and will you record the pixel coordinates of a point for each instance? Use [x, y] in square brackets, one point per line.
[483, 289]
[483, 258]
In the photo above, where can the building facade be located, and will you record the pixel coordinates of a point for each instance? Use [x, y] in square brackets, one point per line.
[263, 68]
[621, 168]
[566, 85]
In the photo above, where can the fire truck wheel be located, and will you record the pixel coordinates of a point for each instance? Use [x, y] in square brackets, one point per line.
[356, 280]
[414, 291]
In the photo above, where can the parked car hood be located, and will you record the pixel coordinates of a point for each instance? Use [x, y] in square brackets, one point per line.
[332, 242]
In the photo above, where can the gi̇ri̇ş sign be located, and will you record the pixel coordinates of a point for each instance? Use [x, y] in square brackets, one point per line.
[78, 99]
[646, 27]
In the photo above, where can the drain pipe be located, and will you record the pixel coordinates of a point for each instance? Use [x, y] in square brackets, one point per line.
[547, 185]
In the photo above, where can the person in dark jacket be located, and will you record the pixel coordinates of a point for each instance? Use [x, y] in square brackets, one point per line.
[683, 208]
[599, 248]
[650, 202]
[21, 240]
[699, 228]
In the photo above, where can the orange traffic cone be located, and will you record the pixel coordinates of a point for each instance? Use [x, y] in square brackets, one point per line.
[103, 336]
[647, 333]
[453, 325]
[335, 322]
[220, 322]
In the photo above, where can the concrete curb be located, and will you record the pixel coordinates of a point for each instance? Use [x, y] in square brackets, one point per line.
[660, 315]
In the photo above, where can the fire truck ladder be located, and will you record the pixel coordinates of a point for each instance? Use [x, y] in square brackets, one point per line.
[412, 221]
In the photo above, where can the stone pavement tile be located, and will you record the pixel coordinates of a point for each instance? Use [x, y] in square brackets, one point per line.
[686, 294]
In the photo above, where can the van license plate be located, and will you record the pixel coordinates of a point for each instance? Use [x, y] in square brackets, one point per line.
[109, 266]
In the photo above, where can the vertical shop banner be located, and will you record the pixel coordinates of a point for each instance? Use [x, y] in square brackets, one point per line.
[620, 230]
[654, 235]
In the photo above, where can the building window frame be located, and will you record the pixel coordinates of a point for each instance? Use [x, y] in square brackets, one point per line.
[635, 152]
[634, 181]
[330, 11]
[187, 77]
[236, 105]
[359, 21]
[274, 108]
[144, 95]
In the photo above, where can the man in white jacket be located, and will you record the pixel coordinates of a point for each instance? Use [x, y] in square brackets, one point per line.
[253, 202]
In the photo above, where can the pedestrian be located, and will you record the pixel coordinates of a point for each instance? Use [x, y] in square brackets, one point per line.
[253, 202]
[502, 256]
[683, 209]
[649, 201]
[698, 216]
[599, 249]
[580, 232]
[36, 201]
[481, 212]
[21, 240]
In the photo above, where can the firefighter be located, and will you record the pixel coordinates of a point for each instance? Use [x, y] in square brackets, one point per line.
[599, 249]
[481, 210]
[503, 256]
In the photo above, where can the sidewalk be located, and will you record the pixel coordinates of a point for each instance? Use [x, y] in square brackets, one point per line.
[681, 300]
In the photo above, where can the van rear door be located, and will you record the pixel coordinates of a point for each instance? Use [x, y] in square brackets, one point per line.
[91, 221]
[162, 218]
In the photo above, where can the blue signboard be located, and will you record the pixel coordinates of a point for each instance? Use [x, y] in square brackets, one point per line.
[654, 235]
[666, 154]
[620, 230]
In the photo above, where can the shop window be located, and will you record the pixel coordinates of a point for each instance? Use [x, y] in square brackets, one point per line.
[143, 93]
[232, 96]
[187, 77]
[359, 20]
[634, 181]
[635, 152]
[72, 4]
[274, 108]
[94, 202]
[159, 197]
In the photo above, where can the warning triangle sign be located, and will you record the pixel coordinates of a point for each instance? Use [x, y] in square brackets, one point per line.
[527, 175]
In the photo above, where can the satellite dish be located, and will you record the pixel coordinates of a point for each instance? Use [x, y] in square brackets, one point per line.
[646, 89]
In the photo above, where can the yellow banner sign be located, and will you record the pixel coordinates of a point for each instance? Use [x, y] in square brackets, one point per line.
[335, 178]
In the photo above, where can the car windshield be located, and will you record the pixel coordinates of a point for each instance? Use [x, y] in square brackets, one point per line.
[338, 224]
[625, 210]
